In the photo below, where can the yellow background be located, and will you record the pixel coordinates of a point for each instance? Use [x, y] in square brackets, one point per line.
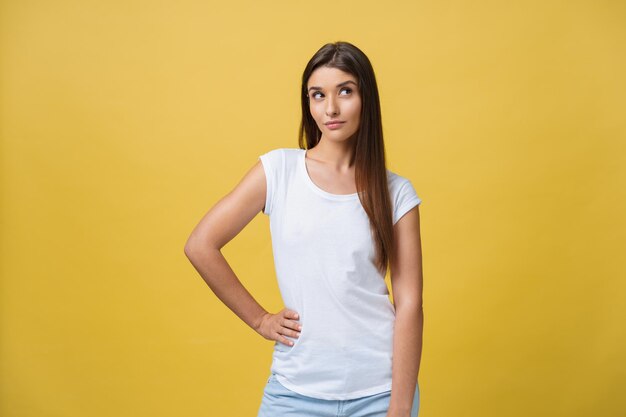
[123, 122]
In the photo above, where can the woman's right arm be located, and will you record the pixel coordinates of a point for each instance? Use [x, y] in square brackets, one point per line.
[203, 249]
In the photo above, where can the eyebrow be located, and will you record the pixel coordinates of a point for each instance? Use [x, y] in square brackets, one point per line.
[338, 85]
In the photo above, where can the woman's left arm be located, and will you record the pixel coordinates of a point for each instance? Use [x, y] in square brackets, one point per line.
[407, 283]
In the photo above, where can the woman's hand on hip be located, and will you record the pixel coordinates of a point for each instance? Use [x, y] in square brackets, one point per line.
[277, 326]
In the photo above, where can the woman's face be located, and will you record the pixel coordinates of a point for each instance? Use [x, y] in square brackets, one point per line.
[334, 95]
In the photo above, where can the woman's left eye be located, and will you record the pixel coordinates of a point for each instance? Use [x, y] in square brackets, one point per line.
[346, 89]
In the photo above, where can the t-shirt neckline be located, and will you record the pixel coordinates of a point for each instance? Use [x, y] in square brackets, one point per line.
[318, 190]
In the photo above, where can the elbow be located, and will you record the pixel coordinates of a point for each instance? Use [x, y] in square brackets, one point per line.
[189, 250]
[195, 246]
[192, 246]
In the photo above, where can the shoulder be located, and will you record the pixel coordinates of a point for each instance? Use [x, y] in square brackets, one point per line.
[279, 158]
[396, 182]
[279, 153]
[272, 158]
[402, 193]
[272, 154]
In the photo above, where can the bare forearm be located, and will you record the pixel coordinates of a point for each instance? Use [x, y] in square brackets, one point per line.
[219, 276]
[407, 352]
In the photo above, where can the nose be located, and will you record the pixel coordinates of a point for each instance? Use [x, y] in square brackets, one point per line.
[332, 108]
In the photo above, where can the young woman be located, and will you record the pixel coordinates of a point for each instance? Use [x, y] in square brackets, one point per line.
[338, 219]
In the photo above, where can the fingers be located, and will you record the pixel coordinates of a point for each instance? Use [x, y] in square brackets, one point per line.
[286, 332]
[289, 319]
[284, 340]
[289, 327]
[290, 324]
[290, 314]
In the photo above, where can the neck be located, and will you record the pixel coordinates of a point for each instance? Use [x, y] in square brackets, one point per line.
[339, 155]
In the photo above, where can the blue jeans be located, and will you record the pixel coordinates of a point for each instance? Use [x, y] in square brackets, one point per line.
[279, 401]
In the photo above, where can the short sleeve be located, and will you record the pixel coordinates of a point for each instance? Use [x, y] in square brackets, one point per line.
[272, 162]
[404, 200]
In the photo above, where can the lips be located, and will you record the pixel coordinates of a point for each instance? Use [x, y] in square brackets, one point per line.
[334, 126]
[334, 122]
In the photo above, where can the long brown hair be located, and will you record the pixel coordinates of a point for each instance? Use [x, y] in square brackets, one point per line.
[369, 147]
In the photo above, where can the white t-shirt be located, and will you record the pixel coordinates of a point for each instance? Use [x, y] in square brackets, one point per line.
[324, 259]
